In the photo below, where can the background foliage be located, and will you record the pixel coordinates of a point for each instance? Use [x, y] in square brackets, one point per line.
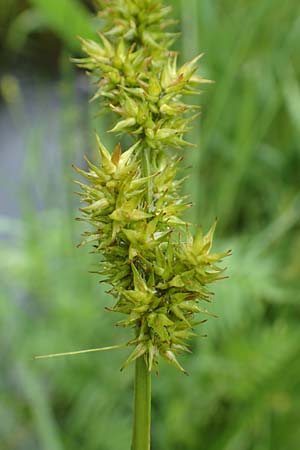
[244, 388]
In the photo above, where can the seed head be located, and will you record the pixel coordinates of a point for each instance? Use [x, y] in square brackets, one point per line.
[159, 274]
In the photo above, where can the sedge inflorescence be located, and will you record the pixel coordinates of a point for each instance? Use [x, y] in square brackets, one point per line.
[158, 272]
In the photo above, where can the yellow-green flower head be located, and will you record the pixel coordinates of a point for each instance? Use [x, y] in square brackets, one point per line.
[158, 279]
[143, 21]
[140, 82]
[159, 274]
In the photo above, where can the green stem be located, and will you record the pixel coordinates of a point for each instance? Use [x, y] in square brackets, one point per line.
[142, 406]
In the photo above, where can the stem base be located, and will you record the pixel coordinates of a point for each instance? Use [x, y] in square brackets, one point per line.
[142, 407]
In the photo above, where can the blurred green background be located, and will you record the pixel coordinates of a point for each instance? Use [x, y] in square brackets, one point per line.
[244, 388]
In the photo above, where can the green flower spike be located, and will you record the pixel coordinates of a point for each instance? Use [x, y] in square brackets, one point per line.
[158, 279]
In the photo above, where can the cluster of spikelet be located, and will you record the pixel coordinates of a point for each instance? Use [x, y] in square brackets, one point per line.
[158, 272]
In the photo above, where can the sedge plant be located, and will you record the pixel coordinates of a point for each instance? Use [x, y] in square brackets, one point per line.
[159, 273]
